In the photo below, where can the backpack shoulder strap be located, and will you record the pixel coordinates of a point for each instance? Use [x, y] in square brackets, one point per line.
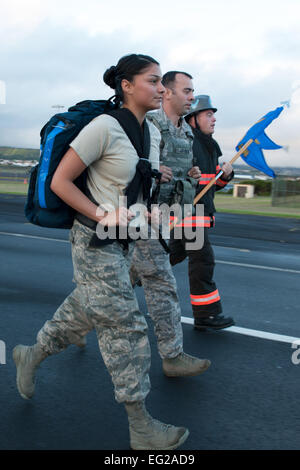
[162, 126]
[139, 138]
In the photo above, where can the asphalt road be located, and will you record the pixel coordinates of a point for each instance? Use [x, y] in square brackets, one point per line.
[248, 399]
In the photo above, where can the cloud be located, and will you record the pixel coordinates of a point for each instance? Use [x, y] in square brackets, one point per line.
[49, 68]
[2, 92]
[284, 44]
[55, 52]
[285, 131]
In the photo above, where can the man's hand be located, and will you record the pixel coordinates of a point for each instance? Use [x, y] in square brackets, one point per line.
[166, 174]
[195, 173]
[227, 169]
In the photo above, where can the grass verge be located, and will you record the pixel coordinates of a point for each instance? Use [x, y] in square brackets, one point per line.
[17, 188]
[258, 205]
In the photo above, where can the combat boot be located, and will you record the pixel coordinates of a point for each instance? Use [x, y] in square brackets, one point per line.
[27, 360]
[147, 433]
[184, 365]
[213, 322]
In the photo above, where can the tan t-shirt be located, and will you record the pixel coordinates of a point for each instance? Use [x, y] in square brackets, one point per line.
[105, 149]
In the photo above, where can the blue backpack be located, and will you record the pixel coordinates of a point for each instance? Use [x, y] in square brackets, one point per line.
[43, 207]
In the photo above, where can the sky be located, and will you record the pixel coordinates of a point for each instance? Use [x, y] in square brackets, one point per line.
[244, 54]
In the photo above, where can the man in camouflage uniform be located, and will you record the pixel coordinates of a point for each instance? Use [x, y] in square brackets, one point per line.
[150, 263]
[177, 163]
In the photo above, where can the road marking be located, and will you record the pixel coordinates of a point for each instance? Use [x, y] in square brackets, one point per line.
[258, 266]
[21, 235]
[232, 263]
[249, 332]
[188, 320]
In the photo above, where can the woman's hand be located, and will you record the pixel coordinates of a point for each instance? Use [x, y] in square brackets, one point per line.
[121, 216]
[154, 216]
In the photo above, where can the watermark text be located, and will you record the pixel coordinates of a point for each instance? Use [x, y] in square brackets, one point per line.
[296, 354]
[2, 352]
[174, 222]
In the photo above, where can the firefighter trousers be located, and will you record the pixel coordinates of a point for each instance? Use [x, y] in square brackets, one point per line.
[204, 294]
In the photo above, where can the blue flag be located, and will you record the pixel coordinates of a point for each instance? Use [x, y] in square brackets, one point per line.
[253, 155]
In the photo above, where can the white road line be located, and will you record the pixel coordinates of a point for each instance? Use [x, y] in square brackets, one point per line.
[21, 235]
[255, 333]
[232, 263]
[188, 320]
[258, 266]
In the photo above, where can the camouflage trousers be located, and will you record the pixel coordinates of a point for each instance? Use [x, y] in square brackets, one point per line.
[105, 300]
[150, 264]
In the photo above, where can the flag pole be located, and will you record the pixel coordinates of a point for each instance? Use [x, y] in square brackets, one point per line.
[213, 180]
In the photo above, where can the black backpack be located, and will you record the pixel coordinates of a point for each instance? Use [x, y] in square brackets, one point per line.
[43, 207]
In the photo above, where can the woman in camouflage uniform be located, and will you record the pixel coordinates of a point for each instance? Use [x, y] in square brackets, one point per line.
[103, 298]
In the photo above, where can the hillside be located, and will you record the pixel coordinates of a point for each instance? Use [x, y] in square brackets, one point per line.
[23, 154]
[12, 153]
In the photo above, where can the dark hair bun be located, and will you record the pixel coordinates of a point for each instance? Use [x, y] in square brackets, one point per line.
[109, 77]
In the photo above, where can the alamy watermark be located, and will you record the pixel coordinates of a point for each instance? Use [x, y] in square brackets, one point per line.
[296, 354]
[2, 92]
[177, 222]
[2, 352]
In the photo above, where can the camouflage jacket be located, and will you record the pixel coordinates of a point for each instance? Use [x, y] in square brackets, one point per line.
[176, 150]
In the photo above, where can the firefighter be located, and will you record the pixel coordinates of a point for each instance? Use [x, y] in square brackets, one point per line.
[205, 297]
